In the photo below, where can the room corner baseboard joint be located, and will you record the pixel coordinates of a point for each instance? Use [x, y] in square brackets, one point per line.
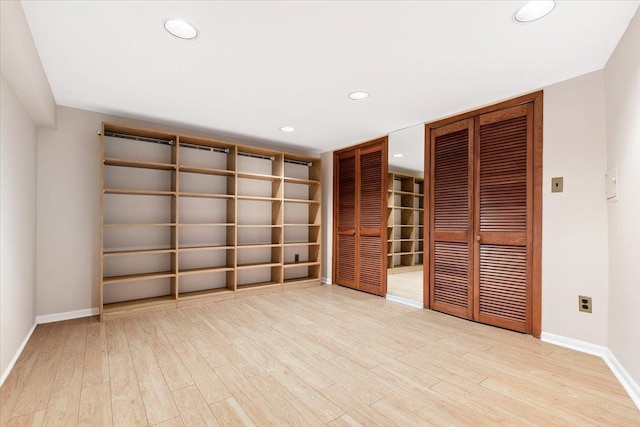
[628, 383]
[7, 371]
[68, 315]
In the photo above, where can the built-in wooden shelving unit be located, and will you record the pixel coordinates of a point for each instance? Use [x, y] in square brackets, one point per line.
[188, 219]
[405, 227]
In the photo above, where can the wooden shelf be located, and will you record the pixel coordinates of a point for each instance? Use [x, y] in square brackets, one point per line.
[139, 192]
[207, 224]
[206, 171]
[258, 176]
[126, 306]
[109, 161]
[202, 270]
[138, 252]
[301, 280]
[156, 224]
[258, 226]
[258, 285]
[204, 293]
[258, 265]
[204, 248]
[258, 245]
[300, 264]
[301, 225]
[137, 277]
[300, 181]
[259, 199]
[301, 244]
[309, 202]
[206, 195]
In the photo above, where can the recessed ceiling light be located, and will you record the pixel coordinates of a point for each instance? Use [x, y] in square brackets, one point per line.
[181, 29]
[287, 129]
[398, 155]
[534, 10]
[356, 96]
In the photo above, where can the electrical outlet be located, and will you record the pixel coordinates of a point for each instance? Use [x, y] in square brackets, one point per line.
[557, 184]
[584, 304]
[296, 258]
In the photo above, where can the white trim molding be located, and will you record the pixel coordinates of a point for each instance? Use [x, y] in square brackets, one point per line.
[632, 387]
[7, 371]
[574, 344]
[325, 280]
[405, 301]
[68, 315]
[627, 382]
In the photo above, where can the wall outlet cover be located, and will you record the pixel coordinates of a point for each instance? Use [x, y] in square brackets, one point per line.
[557, 184]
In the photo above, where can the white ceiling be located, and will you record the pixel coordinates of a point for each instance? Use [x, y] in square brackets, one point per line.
[257, 66]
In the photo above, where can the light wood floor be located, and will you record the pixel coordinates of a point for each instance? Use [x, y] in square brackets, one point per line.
[406, 285]
[320, 356]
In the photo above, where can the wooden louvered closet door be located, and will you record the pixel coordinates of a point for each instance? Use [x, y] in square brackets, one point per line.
[345, 220]
[372, 244]
[503, 218]
[360, 223]
[450, 254]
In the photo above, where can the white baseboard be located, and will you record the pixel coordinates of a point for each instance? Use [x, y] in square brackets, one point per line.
[7, 371]
[325, 280]
[582, 346]
[68, 315]
[628, 383]
[623, 376]
[405, 301]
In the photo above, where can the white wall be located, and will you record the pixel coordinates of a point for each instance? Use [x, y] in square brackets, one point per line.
[622, 84]
[574, 222]
[69, 209]
[18, 139]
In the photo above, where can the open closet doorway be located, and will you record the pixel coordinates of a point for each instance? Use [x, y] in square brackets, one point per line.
[405, 216]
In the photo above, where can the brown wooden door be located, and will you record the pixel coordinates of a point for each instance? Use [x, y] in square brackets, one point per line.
[484, 215]
[345, 219]
[450, 252]
[503, 217]
[360, 222]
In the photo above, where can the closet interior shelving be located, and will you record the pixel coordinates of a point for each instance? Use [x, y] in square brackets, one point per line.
[405, 223]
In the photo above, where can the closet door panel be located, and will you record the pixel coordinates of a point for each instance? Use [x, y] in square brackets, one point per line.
[372, 207]
[503, 198]
[450, 263]
[345, 219]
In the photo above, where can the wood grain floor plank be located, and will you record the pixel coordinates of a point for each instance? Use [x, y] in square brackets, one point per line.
[157, 399]
[96, 358]
[193, 409]
[37, 390]
[288, 405]
[95, 406]
[173, 370]
[212, 389]
[251, 400]
[34, 419]
[229, 413]
[126, 401]
[62, 408]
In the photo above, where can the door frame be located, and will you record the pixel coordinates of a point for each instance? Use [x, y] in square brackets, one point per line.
[383, 141]
[536, 98]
